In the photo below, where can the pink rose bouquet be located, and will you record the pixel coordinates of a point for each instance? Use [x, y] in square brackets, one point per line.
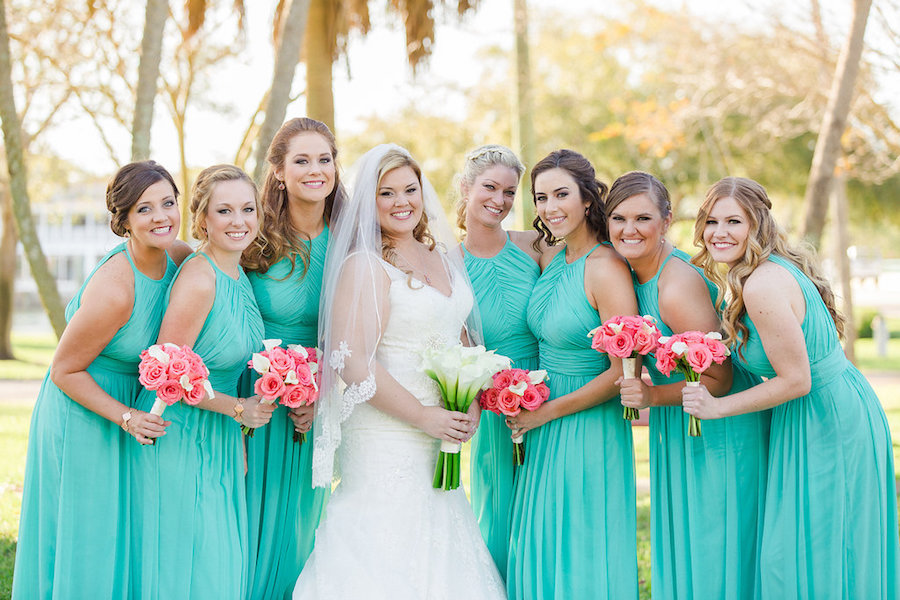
[175, 373]
[626, 337]
[691, 353]
[515, 390]
[285, 373]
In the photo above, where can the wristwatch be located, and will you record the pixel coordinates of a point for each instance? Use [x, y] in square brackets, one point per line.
[126, 416]
[239, 411]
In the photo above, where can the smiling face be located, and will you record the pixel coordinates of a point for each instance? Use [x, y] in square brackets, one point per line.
[308, 172]
[399, 202]
[231, 219]
[636, 227]
[726, 231]
[558, 202]
[154, 219]
[490, 197]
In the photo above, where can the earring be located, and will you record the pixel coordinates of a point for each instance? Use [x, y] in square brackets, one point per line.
[281, 186]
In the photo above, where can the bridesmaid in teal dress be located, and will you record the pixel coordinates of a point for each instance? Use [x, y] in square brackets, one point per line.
[706, 493]
[73, 531]
[503, 267]
[830, 522]
[191, 503]
[285, 266]
[573, 523]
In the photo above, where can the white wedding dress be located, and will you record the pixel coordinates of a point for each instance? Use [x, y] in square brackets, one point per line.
[386, 533]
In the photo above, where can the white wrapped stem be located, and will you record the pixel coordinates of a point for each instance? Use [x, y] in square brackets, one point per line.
[450, 447]
[158, 407]
[517, 439]
[692, 383]
[628, 368]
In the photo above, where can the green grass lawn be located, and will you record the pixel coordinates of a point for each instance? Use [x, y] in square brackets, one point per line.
[35, 352]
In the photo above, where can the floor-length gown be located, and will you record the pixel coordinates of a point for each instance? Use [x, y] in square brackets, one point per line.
[387, 534]
[830, 524]
[283, 507]
[707, 492]
[190, 503]
[73, 532]
[502, 285]
[573, 523]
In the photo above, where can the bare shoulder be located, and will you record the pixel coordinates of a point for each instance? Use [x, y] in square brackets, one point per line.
[197, 279]
[179, 251]
[111, 287]
[606, 265]
[524, 240]
[365, 264]
[768, 283]
[680, 281]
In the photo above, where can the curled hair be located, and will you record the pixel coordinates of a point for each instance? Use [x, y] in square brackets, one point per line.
[396, 159]
[765, 238]
[277, 237]
[635, 183]
[591, 189]
[477, 162]
[202, 191]
[126, 188]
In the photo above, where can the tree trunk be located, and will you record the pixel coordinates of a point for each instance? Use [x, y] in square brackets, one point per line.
[185, 204]
[18, 183]
[320, 62]
[834, 122]
[282, 78]
[148, 72]
[524, 129]
[7, 275]
[842, 261]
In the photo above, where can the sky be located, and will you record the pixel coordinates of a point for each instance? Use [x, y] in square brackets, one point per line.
[378, 80]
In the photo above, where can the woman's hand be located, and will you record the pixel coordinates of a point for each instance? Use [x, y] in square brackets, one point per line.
[302, 416]
[634, 393]
[699, 402]
[146, 427]
[256, 413]
[528, 420]
[474, 413]
[446, 425]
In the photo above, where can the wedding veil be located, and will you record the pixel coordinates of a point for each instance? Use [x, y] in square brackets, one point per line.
[352, 302]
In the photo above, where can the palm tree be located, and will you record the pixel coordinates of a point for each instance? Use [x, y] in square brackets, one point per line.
[157, 12]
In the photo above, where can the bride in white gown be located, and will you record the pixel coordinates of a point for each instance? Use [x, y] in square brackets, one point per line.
[391, 291]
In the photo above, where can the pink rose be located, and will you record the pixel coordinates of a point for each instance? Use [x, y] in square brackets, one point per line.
[280, 361]
[178, 366]
[698, 357]
[644, 342]
[488, 400]
[508, 403]
[152, 374]
[692, 337]
[169, 392]
[519, 376]
[503, 379]
[718, 349]
[543, 390]
[270, 386]
[196, 394]
[304, 376]
[598, 343]
[532, 398]
[665, 360]
[295, 396]
[620, 345]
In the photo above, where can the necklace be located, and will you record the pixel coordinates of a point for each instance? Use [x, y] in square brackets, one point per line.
[413, 267]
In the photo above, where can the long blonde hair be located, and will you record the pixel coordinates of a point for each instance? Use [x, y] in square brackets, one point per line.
[765, 238]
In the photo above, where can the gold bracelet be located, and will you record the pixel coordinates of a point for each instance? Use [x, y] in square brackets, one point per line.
[126, 416]
[239, 411]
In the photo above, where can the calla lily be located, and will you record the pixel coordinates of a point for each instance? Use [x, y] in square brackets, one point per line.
[300, 350]
[679, 348]
[185, 383]
[713, 335]
[291, 377]
[158, 353]
[261, 364]
[209, 391]
[518, 388]
[537, 376]
[269, 344]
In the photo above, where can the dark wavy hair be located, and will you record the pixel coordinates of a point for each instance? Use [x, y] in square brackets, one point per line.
[126, 188]
[591, 189]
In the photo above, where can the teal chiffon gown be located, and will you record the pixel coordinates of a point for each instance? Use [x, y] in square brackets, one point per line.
[573, 523]
[283, 507]
[502, 285]
[189, 501]
[73, 532]
[707, 492]
[830, 523]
